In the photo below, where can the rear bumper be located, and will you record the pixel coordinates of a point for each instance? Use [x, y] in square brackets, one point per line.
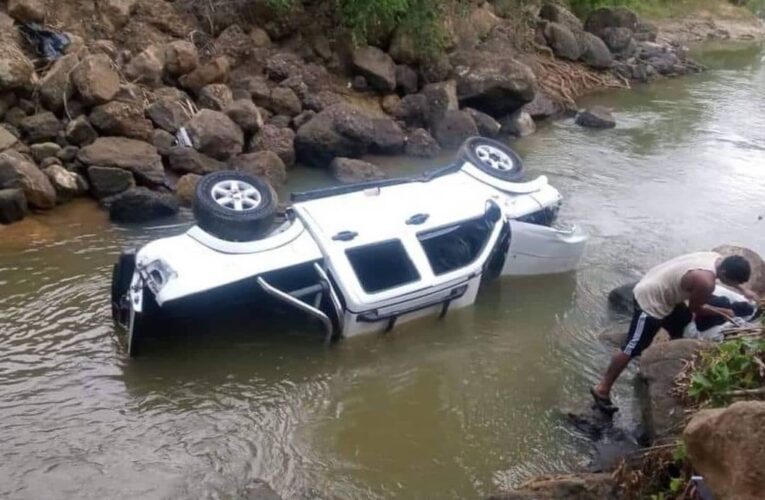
[538, 250]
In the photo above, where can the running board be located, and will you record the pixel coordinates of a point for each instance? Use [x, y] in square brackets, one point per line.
[299, 304]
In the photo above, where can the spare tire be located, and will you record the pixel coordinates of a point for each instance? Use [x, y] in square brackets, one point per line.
[493, 157]
[234, 206]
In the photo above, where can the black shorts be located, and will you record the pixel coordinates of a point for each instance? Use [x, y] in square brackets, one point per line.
[644, 327]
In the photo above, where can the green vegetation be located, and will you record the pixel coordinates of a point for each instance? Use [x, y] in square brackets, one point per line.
[670, 8]
[733, 369]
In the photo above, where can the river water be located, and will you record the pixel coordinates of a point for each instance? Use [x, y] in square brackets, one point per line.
[452, 409]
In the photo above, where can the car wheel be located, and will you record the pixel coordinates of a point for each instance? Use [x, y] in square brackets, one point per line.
[234, 206]
[493, 158]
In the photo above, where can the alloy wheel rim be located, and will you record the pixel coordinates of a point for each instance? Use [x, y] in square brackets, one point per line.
[494, 158]
[236, 195]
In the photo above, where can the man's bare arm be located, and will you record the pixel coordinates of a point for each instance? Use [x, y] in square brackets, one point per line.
[701, 285]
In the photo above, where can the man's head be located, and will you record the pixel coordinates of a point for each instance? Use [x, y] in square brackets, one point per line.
[734, 270]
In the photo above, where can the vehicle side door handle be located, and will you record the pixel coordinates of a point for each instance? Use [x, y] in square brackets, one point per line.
[345, 236]
[417, 219]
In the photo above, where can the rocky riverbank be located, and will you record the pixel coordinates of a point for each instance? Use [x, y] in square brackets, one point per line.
[694, 422]
[99, 112]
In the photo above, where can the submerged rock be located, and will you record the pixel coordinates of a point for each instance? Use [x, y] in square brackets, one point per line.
[422, 144]
[519, 124]
[621, 298]
[596, 117]
[572, 487]
[108, 181]
[349, 170]
[13, 205]
[141, 205]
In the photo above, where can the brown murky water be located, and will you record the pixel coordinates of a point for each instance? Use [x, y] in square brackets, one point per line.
[450, 409]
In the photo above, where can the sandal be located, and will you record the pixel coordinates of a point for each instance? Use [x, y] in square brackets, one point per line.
[604, 404]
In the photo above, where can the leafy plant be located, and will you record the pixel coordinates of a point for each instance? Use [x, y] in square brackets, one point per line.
[735, 365]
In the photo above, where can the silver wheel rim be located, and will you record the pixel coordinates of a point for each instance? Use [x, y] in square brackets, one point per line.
[236, 195]
[494, 158]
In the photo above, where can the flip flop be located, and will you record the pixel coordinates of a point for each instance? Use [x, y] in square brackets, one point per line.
[604, 404]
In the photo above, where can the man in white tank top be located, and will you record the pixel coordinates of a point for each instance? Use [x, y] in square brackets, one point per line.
[660, 301]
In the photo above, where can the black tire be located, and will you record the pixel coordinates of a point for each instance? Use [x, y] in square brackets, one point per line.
[228, 223]
[478, 151]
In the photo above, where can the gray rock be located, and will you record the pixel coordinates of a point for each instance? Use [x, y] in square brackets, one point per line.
[265, 164]
[96, 80]
[80, 132]
[16, 69]
[349, 171]
[185, 189]
[376, 66]
[139, 157]
[621, 299]
[611, 17]
[13, 205]
[163, 141]
[439, 98]
[618, 40]
[435, 69]
[43, 150]
[14, 117]
[302, 119]
[406, 80]
[55, 87]
[558, 14]
[595, 53]
[124, 119]
[280, 121]
[141, 205]
[422, 144]
[542, 107]
[146, 67]
[27, 11]
[496, 84]
[47, 162]
[387, 138]
[359, 83]
[487, 126]
[67, 184]
[41, 127]
[519, 124]
[168, 114]
[15, 172]
[454, 128]
[284, 101]
[215, 71]
[7, 139]
[68, 153]
[280, 140]
[214, 134]
[216, 96]
[189, 160]
[108, 181]
[596, 117]
[339, 130]
[321, 100]
[245, 114]
[562, 41]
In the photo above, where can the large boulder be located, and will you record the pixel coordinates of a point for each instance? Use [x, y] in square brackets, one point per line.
[496, 84]
[280, 140]
[542, 107]
[27, 11]
[244, 113]
[757, 281]
[18, 173]
[215, 71]
[519, 124]
[7, 139]
[108, 181]
[619, 40]
[56, 87]
[186, 187]
[122, 118]
[454, 128]
[66, 183]
[611, 17]
[141, 205]
[96, 80]
[407, 81]
[438, 99]
[214, 134]
[659, 365]
[80, 132]
[422, 144]
[283, 101]
[727, 447]
[181, 57]
[188, 160]
[376, 66]
[264, 164]
[139, 157]
[596, 117]
[562, 41]
[487, 125]
[147, 67]
[387, 138]
[16, 70]
[595, 53]
[349, 170]
[558, 14]
[41, 127]
[168, 114]
[13, 205]
[339, 130]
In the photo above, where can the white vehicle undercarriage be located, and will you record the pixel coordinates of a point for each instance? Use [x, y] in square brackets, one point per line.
[359, 258]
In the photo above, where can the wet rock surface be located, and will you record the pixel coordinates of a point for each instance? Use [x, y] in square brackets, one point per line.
[597, 117]
[348, 170]
[13, 205]
[140, 204]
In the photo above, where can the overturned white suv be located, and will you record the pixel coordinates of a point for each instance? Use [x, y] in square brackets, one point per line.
[357, 259]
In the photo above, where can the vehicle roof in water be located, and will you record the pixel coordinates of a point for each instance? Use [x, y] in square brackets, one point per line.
[381, 213]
